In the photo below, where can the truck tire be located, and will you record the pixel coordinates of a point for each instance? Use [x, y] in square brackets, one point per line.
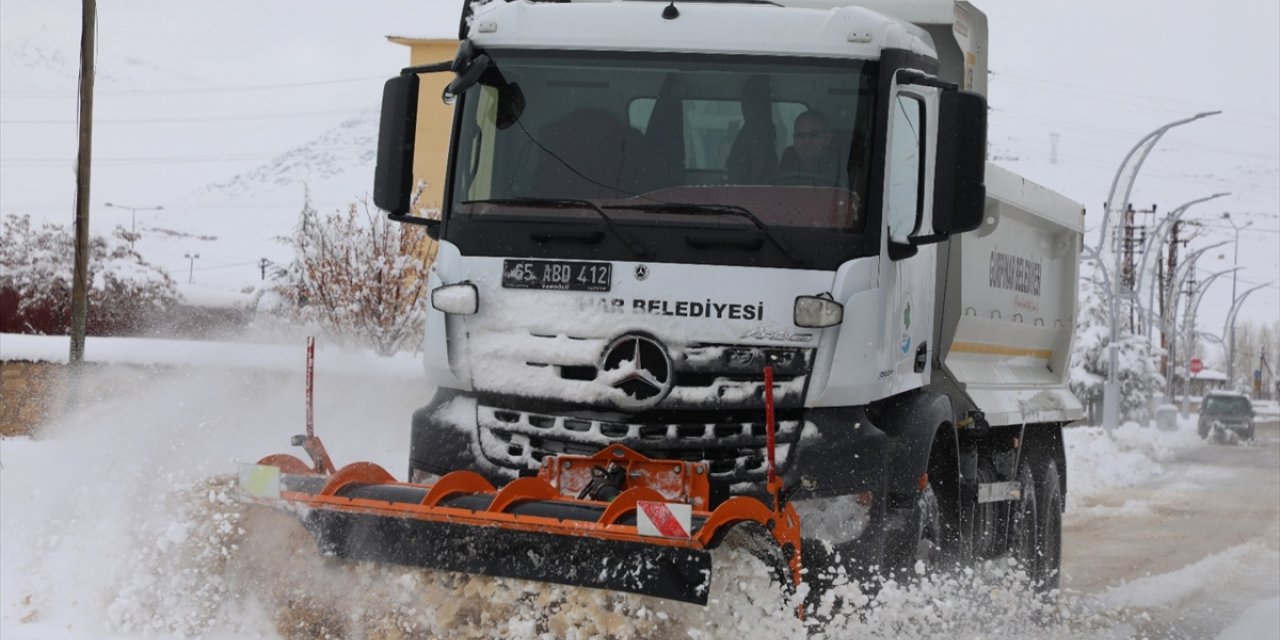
[1024, 517]
[922, 542]
[1048, 557]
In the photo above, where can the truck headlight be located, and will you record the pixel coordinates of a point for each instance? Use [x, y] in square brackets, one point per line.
[816, 312]
[461, 299]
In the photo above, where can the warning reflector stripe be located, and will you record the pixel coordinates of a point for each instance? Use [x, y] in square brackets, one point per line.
[663, 519]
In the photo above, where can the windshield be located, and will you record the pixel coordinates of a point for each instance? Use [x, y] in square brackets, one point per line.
[786, 139]
[1227, 405]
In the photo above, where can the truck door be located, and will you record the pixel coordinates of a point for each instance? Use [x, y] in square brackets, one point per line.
[909, 272]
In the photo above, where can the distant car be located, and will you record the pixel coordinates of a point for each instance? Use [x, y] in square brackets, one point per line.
[1224, 412]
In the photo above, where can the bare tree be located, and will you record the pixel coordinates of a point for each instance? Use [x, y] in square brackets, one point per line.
[125, 294]
[360, 276]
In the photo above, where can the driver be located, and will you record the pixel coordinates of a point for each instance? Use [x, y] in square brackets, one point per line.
[811, 151]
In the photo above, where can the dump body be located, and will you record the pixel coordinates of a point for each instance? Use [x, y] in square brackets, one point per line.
[1006, 328]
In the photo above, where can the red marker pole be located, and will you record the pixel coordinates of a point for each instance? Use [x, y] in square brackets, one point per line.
[311, 369]
[768, 424]
[310, 443]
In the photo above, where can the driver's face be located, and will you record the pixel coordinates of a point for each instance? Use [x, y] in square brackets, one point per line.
[810, 138]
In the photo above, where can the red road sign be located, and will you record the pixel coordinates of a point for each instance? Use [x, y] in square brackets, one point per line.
[1196, 366]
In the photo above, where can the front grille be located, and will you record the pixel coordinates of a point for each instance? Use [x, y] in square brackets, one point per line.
[733, 451]
[711, 375]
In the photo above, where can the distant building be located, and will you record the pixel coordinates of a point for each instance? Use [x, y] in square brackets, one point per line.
[1207, 380]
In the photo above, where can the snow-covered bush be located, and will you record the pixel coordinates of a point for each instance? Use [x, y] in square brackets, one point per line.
[358, 276]
[1137, 374]
[126, 293]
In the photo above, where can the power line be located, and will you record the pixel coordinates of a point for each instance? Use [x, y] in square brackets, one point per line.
[1227, 228]
[184, 92]
[268, 116]
[1156, 104]
[1079, 126]
[1087, 162]
[166, 159]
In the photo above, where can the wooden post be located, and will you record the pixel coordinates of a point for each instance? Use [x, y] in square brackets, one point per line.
[79, 282]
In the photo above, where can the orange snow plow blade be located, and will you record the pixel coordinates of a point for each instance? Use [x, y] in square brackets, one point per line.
[615, 520]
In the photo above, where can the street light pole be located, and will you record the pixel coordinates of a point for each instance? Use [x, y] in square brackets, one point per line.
[1111, 395]
[1230, 329]
[1189, 323]
[191, 269]
[1231, 341]
[1172, 295]
[133, 217]
[1157, 239]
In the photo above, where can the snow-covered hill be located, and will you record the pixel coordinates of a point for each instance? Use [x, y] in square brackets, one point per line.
[336, 165]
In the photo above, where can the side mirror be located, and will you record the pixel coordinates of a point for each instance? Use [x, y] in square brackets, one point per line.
[959, 190]
[468, 75]
[393, 177]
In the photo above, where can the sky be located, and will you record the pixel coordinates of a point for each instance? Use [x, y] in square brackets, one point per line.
[195, 94]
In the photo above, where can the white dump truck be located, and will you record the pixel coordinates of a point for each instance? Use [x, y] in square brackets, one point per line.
[760, 239]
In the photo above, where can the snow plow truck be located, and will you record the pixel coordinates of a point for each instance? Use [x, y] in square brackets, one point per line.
[716, 266]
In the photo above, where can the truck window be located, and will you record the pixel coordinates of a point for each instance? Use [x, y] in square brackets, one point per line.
[905, 166]
[649, 127]
[710, 129]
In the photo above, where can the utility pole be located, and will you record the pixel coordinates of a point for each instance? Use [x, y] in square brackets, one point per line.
[262, 265]
[1133, 238]
[1167, 286]
[80, 276]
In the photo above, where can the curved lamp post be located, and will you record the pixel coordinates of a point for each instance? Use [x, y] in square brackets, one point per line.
[1193, 310]
[1231, 343]
[1111, 395]
[1230, 330]
[1174, 295]
[1156, 239]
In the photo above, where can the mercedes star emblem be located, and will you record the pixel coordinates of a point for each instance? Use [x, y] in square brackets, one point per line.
[640, 368]
[642, 272]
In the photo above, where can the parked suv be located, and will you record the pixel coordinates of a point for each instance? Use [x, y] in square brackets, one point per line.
[1223, 411]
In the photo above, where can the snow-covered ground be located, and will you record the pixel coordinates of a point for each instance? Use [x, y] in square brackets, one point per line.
[119, 520]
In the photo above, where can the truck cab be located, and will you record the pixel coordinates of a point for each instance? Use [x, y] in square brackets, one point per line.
[648, 204]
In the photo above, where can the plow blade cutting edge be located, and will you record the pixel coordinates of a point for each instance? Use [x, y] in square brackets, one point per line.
[615, 520]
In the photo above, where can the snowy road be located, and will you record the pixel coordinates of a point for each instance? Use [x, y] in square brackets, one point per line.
[1193, 546]
[113, 528]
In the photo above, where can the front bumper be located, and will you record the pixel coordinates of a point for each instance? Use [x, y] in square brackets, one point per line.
[820, 453]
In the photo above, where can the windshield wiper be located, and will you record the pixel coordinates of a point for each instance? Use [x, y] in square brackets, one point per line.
[569, 203]
[689, 208]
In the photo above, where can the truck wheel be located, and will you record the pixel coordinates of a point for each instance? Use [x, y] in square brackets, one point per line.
[1048, 554]
[922, 542]
[1023, 523]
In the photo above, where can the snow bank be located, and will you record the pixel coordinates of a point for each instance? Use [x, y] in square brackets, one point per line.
[1130, 456]
[122, 520]
[1214, 573]
[1259, 621]
[232, 355]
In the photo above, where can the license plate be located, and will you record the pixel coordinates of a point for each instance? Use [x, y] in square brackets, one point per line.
[556, 274]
